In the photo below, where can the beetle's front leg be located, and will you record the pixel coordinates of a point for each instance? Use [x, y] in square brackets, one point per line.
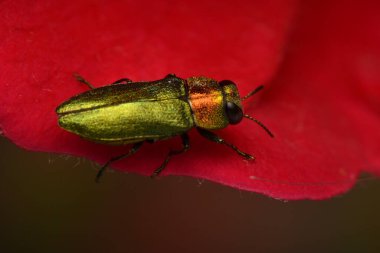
[185, 147]
[133, 150]
[213, 137]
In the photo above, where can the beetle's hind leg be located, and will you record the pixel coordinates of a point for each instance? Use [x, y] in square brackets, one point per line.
[133, 150]
[185, 147]
[213, 137]
[82, 80]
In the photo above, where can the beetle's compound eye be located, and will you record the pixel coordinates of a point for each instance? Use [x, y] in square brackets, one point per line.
[234, 113]
[226, 82]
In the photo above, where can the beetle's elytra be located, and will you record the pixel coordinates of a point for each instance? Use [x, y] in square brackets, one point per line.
[135, 112]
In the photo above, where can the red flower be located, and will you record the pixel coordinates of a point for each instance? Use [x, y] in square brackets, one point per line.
[319, 61]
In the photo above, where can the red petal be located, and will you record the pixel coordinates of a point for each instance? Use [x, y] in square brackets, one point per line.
[322, 102]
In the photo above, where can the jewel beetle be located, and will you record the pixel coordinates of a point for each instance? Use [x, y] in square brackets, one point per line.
[127, 112]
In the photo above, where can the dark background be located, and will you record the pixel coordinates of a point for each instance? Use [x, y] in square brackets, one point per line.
[50, 203]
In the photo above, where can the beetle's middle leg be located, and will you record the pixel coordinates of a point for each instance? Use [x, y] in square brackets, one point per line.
[213, 137]
[170, 75]
[185, 147]
[123, 81]
[133, 150]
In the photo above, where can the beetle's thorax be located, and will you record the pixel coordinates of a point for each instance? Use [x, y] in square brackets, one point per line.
[206, 101]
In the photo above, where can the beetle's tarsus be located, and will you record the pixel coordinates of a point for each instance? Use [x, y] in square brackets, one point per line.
[101, 171]
[185, 147]
[133, 150]
[213, 137]
[82, 80]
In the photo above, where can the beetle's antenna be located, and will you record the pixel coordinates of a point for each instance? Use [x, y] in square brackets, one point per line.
[253, 92]
[259, 88]
[260, 124]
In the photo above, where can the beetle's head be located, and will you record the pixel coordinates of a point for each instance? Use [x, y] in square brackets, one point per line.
[232, 102]
[233, 106]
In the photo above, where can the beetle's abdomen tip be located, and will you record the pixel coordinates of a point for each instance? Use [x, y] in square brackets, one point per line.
[59, 110]
[63, 108]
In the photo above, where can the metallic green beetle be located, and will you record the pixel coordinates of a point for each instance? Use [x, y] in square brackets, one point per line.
[134, 112]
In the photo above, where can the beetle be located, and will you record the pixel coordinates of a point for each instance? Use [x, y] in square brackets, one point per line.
[127, 112]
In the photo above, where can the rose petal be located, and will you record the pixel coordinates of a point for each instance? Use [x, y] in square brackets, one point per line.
[320, 62]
